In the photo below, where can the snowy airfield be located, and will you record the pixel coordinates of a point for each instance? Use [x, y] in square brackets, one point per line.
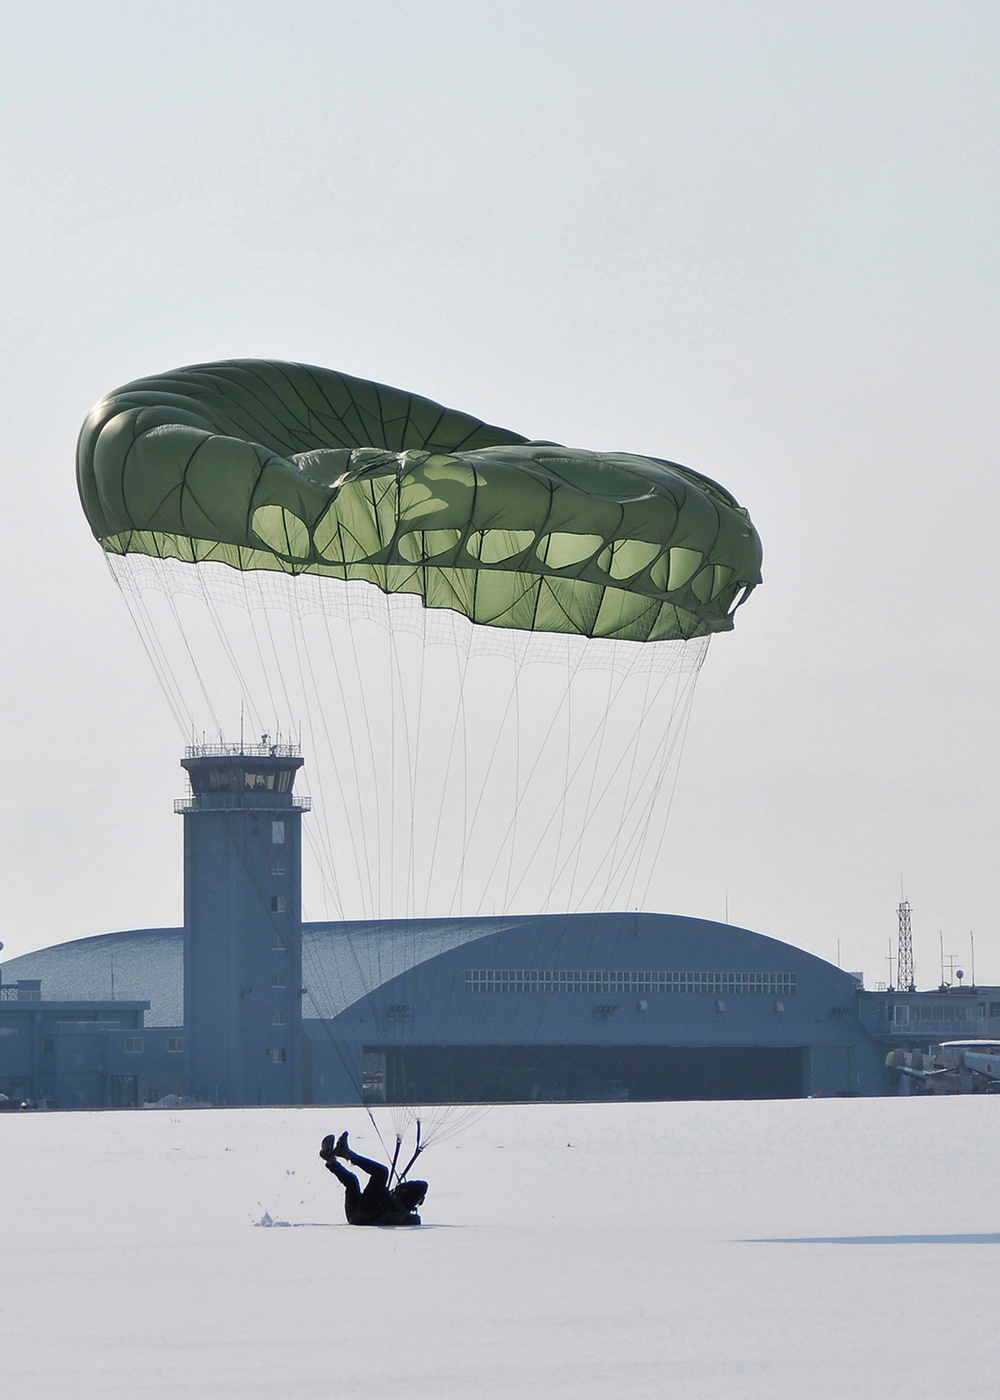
[815, 1250]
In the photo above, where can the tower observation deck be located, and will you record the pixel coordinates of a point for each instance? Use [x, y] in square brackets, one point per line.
[243, 923]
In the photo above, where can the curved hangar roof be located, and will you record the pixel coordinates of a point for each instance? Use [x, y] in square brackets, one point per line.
[342, 961]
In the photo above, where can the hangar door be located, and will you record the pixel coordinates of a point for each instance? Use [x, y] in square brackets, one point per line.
[831, 1069]
[518, 1073]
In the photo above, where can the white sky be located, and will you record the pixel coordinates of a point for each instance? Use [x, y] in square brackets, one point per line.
[758, 239]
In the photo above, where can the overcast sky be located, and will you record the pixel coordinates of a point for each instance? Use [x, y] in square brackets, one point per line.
[757, 238]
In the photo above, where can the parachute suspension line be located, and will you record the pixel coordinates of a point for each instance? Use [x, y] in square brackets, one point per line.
[522, 790]
[628, 788]
[279, 662]
[408, 737]
[160, 585]
[584, 757]
[464, 713]
[654, 777]
[470, 826]
[416, 1153]
[411, 752]
[352, 748]
[376, 786]
[411, 872]
[395, 1155]
[172, 691]
[161, 669]
[310, 690]
[253, 603]
[445, 780]
[393, 766]
[252, 608]
[685, 725]
[635, 811]
[246, 695]
[324, 839]
[517, 664]
[172, 603]
[405, 800]
[671, 755]
[632, 800]
[319, 840]
[588, 805]
[570, 670]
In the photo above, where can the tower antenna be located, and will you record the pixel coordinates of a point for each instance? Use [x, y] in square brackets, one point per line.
[904, 965]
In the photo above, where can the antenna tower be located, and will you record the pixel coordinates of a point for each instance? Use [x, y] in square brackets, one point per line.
[905, 964]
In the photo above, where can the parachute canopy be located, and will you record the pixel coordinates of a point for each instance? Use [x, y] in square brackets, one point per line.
[259, 464]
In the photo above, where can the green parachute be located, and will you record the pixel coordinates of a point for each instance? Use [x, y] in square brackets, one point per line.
[263, 465]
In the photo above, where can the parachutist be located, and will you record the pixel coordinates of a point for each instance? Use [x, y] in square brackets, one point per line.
[376, 1204]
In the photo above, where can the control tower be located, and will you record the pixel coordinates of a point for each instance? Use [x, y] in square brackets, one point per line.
[243, 923]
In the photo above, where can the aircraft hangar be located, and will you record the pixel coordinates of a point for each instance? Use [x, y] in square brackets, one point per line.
[586, 1006]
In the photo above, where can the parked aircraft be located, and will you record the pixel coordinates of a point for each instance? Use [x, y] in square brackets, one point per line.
[953, 1067]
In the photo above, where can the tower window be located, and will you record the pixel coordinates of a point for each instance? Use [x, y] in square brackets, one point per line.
[277, 979]
[277, 1018]
[277, 904]
[133, 1045]
[278, 866]
[277, 833]
[278, 1055]
[278, 944]
[175, 1044]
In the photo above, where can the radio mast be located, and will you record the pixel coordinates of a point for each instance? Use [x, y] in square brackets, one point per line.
[904, 967]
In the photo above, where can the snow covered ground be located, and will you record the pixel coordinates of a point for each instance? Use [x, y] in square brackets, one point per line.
[818, 1249]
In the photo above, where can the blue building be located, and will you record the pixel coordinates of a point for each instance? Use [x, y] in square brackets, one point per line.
[243, 924]
[245, 1005]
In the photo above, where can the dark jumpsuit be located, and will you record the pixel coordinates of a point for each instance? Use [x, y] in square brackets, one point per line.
[376, 1204]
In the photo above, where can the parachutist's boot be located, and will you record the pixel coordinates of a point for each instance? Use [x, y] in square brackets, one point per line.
[342, 1149]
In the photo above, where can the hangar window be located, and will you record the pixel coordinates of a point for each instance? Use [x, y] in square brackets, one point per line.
[133, 1045]
[995, 1008]
[175, 1044]
[634, 983]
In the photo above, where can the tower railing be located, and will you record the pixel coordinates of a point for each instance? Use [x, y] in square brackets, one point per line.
[262, 800]
[262, 750]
